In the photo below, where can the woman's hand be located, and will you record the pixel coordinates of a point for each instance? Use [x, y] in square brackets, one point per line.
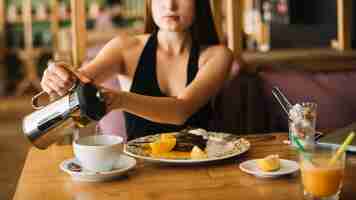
[57, 79]
[112, 98]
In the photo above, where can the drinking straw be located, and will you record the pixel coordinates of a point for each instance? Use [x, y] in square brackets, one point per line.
[299, 144]
[301, 149]
[282, 100]
[342, 148]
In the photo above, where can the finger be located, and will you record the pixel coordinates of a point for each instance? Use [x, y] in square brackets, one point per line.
[44, 82]
[53, 96]
[64, 84]
[56, 83]
[56, 88]
[61, 71]
[51, 93]
[46, 88]
[83, 78]
[50, 76]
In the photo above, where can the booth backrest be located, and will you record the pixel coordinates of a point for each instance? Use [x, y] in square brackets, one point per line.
[333, 90]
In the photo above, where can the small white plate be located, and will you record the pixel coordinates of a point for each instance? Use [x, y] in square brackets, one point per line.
[123, 165]
[287, 167]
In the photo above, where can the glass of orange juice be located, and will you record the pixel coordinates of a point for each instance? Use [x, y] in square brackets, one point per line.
[321, 179]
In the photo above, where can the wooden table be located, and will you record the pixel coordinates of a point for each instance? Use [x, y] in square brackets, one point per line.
[42, 179]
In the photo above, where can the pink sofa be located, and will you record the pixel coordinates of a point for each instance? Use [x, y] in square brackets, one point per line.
[333, 91]
[113, 123]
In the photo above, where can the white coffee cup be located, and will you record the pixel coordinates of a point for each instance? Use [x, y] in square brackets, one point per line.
[98, 153]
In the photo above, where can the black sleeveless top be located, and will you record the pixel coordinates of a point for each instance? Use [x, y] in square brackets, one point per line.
[145, 83]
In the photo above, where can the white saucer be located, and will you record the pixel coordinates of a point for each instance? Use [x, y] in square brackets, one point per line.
[287, 167]
[123, 165]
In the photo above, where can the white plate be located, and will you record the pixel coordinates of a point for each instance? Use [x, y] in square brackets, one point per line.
[239, 146]
[287, 167]
[123, 165]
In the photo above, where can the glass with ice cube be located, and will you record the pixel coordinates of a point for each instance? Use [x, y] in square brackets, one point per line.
[302, 119]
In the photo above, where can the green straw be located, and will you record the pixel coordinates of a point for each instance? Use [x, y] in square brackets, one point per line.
[299, 144]
[301, 149]
[342, 148]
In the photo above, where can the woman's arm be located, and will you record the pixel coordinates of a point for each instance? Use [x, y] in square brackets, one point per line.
[107, 63]
[57, 80]
[176, 110]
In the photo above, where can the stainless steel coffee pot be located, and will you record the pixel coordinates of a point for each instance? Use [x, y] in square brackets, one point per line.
[83, 104]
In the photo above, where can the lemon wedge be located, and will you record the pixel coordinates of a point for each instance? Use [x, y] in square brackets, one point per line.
[167, 136]
[269, 163]
[197, 153]
[163, 145]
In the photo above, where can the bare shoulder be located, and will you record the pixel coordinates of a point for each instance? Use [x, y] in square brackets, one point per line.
[220, 52]
[122, 52]
[125, 41]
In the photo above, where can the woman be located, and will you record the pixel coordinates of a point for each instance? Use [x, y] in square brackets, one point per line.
[163, 89]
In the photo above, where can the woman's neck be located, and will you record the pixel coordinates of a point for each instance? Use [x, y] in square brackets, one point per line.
[174, 43]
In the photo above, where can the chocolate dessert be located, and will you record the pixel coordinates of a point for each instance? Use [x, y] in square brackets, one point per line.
[186, 141]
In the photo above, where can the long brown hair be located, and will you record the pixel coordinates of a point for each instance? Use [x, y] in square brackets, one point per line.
[203, 28]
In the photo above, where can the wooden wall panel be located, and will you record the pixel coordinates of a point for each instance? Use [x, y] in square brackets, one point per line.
[344, 15]
[217, 6]
[79, 33]
[234, 26]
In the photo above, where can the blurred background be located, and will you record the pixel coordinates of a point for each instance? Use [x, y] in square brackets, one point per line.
[34, 31]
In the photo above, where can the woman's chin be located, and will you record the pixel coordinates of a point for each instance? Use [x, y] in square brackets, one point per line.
[173, 28]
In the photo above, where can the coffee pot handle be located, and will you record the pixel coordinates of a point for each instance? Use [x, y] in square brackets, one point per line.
[34, 100]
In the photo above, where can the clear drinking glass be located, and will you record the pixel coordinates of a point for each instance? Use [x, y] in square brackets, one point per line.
[321, 179]
[302, 120]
